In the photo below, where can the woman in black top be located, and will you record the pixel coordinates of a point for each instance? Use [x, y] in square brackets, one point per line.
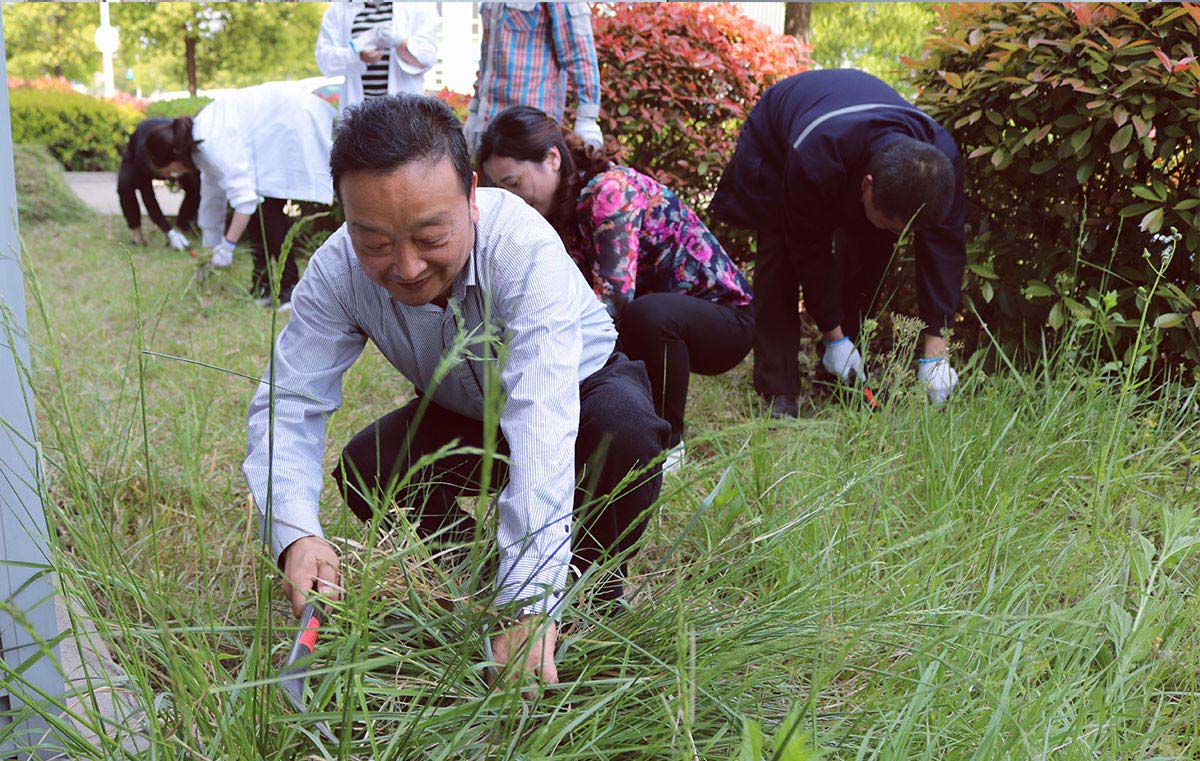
[137, 175]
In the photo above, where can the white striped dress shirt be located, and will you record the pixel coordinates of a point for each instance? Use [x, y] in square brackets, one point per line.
[520, 281]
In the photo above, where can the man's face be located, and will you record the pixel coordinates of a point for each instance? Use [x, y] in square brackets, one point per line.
[894, 225]
[412, 228]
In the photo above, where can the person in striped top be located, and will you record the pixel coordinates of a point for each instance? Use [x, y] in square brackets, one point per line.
[528, 53]
[381, 48]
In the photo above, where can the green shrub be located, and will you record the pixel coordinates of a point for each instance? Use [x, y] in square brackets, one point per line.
[42, 192]
[178, 107]
[1080, 126]
[84, 133]
[679, 79]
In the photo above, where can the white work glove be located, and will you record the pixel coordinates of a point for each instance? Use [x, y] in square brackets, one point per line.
[937, 377]
[365, 42]
[589, 131]
[385, 38]
[843, 360]
[177, 240]
[473, 129]
[222, 254]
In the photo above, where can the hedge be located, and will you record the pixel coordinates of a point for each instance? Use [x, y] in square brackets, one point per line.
[679, 79]
[82, 132]
[1080, 127]
[178, 107]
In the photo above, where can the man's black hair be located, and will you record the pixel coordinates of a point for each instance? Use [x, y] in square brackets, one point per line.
[383, 134]
[911, 177]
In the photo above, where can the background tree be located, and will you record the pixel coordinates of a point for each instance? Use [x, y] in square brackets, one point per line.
[871, 36]
[51, 40]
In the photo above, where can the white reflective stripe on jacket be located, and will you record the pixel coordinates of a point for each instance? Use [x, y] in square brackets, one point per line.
[417, 23]
[268, 141]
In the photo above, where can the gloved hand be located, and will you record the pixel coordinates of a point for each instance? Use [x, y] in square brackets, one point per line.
[364, 42]
[177, 240]
[843, 360]
[473, 129]
[937, 377]
[385, 38]
[222, 254]
[589, 131]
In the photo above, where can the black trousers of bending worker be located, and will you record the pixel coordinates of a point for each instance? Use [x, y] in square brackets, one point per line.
[132, 180]
[676, 335]
[267, 230]
[618, 433]
[841, 278]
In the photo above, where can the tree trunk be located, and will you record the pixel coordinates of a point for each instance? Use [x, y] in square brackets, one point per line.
[190, 56]
[797, 19]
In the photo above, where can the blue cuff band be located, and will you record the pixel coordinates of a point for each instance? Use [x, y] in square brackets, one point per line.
[230, 242]
[841, 340]
[930, 360]
[352, 46]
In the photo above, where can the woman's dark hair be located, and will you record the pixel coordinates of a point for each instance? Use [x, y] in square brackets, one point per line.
[524, 133]
[912, 178]
[171, 142]
[381, 135]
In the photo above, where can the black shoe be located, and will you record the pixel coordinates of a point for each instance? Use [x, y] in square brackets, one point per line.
[783, 407]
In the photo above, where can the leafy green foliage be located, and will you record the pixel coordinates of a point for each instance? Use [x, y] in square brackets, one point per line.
[84, 133]
[51, 39]
[871, 37]
[237, 44]
[679, 79]
[1080, 126]
[178, 107]
[42, 191]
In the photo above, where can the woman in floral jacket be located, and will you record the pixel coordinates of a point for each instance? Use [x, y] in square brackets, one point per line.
[679, 302]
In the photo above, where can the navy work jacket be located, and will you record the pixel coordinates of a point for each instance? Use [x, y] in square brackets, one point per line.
[799, 165]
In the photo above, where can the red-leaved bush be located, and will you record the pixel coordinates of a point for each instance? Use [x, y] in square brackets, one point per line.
[679, 79]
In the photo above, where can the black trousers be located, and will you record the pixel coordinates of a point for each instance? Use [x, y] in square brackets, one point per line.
[841, 278]
[131, 180]
[266, 232]
[676, 335]
[618, 433]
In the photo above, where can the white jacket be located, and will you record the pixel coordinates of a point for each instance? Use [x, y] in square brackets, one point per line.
[268, 141]
[416, 23]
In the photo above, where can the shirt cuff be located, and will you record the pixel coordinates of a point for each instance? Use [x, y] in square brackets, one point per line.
[536, 583]
[291, 522]
[588, 111]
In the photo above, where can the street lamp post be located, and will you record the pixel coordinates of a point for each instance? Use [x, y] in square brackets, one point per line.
[28, 624]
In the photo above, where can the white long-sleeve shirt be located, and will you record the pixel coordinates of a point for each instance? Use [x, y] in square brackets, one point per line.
[267, 141]
[521, 282]
[418, 24]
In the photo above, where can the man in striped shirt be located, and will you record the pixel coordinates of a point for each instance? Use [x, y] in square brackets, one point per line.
[444, 279]
[528, 52]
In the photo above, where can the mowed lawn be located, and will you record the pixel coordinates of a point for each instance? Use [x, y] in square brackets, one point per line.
[1011, 576]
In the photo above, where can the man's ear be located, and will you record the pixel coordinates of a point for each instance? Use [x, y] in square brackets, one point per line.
[471, 198]
[868, 183]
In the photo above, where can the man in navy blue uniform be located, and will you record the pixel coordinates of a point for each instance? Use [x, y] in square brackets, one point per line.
[831, 166]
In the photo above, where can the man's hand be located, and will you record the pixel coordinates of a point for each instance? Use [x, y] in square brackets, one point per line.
[937, 377]
[305, 561]
[535, 637]
[222, 253]
[589, 131]
[370, 56]
[843, 360]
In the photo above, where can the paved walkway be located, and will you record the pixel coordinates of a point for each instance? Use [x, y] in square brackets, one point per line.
[99, 191]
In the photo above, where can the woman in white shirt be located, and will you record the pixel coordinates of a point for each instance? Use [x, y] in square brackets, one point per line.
[381, 48]
[256, 149]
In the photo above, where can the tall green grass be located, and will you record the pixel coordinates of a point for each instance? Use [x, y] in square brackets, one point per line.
[1009, 576]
